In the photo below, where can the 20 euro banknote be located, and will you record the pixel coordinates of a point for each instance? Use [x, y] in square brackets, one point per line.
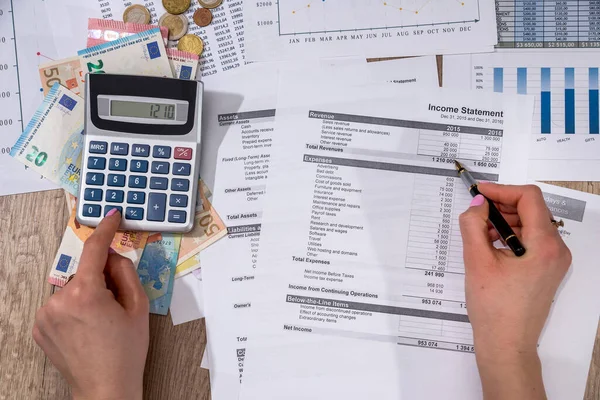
[52, 142]
[156, 270]
[140, 54]
[129, 244]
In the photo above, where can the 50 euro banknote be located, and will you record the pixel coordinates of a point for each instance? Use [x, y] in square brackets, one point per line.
[51, 143]
[208, 229]
[66, 72]
[129, 244]
[139, 54]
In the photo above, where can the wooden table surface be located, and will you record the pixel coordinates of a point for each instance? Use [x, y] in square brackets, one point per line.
[31, 228]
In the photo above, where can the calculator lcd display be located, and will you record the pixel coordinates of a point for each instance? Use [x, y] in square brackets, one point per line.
[119, 108]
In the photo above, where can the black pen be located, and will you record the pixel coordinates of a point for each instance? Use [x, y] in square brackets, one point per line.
[496, 218]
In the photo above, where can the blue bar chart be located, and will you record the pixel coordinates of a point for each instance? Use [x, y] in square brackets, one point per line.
[567, 99]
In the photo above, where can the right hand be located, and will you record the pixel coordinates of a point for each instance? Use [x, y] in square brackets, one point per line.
[509, 297]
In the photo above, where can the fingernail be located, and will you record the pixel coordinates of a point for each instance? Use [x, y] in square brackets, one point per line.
[111, 212]
[111, 251]
[477, 201]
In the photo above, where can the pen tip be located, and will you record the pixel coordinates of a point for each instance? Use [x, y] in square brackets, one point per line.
[458, 165]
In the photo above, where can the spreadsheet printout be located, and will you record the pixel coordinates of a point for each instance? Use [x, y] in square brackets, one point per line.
[565, 142]
[359, 290]
[553, 24]
[241, 124]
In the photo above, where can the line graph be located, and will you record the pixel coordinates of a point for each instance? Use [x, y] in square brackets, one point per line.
[298, 17]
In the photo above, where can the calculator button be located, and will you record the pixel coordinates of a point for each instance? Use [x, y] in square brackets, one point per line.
[182, 169]
[115, 180]
[136, 197]
[114, 196]
[159, 183]
[134, 213]
[117, 164]
[183, 153]
[159, 167]
[94, 178]
[93, 195]
[156, 206]
[161, 152]
[96, 163]
[177, 216]
[108, 208]
[180, 185]
[119, 149]
[139, 166]
[137, 181]
[178, 200]
[98, 147]
[140, 150]
[91, 210]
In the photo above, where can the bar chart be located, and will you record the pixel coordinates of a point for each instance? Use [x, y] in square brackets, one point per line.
[567, 98]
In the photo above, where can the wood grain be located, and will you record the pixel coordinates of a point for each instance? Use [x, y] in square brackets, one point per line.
[31, 228]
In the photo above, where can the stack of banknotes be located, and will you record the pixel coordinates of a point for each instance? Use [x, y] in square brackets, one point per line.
[52, 142]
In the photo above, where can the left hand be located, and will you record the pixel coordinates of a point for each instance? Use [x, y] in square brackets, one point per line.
[96, 330]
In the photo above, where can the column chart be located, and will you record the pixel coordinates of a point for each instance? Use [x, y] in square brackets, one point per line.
[567, 98]
[548, 23]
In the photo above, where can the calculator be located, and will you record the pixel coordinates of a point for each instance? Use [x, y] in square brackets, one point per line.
[142, 151]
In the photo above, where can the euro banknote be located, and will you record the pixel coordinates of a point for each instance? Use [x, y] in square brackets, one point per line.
[140, 54]
[66, 72]
[51, 143]
[106, 30]
[157, 270]
[127, 243]
[208, 229]
[184, 65]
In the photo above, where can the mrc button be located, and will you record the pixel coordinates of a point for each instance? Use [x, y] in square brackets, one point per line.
[98, 147]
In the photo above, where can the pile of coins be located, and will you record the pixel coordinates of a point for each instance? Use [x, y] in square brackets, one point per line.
[176, 22]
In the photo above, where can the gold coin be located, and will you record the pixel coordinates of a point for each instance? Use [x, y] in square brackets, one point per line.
[177, 25]
[137, 14]
[191, 43]
[176, 6]
[210, 3]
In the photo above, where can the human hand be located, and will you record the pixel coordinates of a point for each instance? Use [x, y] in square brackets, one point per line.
[96, 330]
[509, 297]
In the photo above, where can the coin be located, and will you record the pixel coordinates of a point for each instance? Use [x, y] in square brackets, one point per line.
[176, 6]
[137, 14]
[177, 25]
[203, 17]
[210, 3]
[191, 43]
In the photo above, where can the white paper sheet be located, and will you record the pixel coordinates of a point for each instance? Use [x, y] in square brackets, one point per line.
[238, 118]
[301, 29]
[565, 144]
[359, 291]
[26, 45]
[187, 303]
[223, 39]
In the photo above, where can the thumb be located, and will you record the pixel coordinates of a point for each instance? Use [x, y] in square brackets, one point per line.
[474, 230]
[123, 280]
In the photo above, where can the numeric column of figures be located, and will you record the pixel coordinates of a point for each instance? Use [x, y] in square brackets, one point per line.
[434, 235]
[589, 23]
[485, 149]
[561, 23]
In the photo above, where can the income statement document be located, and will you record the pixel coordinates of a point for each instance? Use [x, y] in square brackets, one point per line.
[359, 289]
[240, 116]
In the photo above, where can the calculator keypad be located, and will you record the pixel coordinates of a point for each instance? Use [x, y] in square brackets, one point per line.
[144, 182]
[117, 180]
